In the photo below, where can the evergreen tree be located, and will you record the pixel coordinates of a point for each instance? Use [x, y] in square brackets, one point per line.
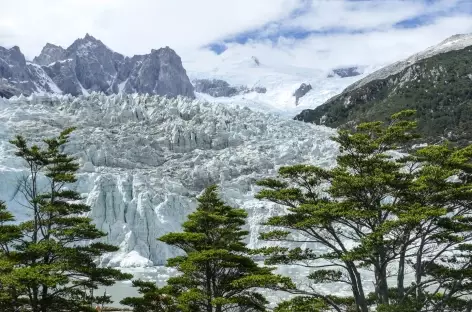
[154, 299]
[9, 291]
[381, 211]
[440, 231]
[54, 256]
[216, 273]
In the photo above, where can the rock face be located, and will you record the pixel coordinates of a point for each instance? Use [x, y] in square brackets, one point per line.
[49, 54]
[88, 65]
[221, 88]
[7, 91]
[215, 87]
[160, 72]
[64, 76]
[346, 72]
[436, 83]
[144, 159]
[13, 70]
[301, 91]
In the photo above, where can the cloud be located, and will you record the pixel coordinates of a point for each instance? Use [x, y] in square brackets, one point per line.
[373, 48]
[133, 26]
[304, 33]
[332, 33]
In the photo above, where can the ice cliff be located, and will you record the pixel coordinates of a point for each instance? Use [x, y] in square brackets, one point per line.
[145, 159]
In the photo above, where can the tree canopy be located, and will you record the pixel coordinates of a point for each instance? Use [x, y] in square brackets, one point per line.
[50, 261]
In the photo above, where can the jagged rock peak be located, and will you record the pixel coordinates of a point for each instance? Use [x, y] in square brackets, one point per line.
[88, 65]
[88, 42]
[49, 54]
[13, 54]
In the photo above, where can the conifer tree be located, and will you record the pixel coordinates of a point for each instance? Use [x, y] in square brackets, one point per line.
[54, 258]
[154, 299]
[382, 211]
[439, 231]
[216, 273]
[9, 291]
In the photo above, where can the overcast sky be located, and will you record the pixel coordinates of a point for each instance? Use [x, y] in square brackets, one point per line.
[311, 32]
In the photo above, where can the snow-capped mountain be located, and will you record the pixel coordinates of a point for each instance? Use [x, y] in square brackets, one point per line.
[145, 158]
[435, 82]
[452, 43]
[88, 65]
[19, 76]
[279, 81]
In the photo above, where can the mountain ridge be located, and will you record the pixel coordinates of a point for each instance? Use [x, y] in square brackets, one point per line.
[436, 82]
[88, 65]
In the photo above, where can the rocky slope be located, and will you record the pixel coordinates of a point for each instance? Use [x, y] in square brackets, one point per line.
[436, 82]
[88, 65]
[145, 158]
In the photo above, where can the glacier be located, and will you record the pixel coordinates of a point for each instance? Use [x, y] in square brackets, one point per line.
[281, 79]
[145, 158]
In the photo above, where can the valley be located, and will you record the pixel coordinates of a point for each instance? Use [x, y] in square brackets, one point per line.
[153, 131]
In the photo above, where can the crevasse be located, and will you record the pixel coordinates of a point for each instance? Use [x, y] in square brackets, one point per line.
[144, 159]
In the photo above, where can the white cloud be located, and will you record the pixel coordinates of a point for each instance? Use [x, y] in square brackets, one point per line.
[133, 26]
[136, 26]
[326, 52]
[356, 15]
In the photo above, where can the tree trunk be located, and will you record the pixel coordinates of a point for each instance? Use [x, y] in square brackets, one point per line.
[401, 274]
[208, 288]
[357, 288]
[419, 273]
[381, 287]
[35, 305]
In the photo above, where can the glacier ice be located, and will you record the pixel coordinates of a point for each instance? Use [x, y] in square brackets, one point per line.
[145, 159]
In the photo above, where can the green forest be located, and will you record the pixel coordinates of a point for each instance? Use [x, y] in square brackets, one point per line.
[398, 213]
[438, 88]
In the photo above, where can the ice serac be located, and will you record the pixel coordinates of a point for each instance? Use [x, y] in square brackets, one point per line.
[144, 159]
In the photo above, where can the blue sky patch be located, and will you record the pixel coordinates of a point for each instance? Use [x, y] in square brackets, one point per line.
[275, 30]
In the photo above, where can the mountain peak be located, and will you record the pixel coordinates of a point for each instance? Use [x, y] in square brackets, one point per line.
[52, 46]
[88, 65]
[50, 53]
[89, 37]
[13, 54]
[457, 37]
[166, 49]
[15, 48]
